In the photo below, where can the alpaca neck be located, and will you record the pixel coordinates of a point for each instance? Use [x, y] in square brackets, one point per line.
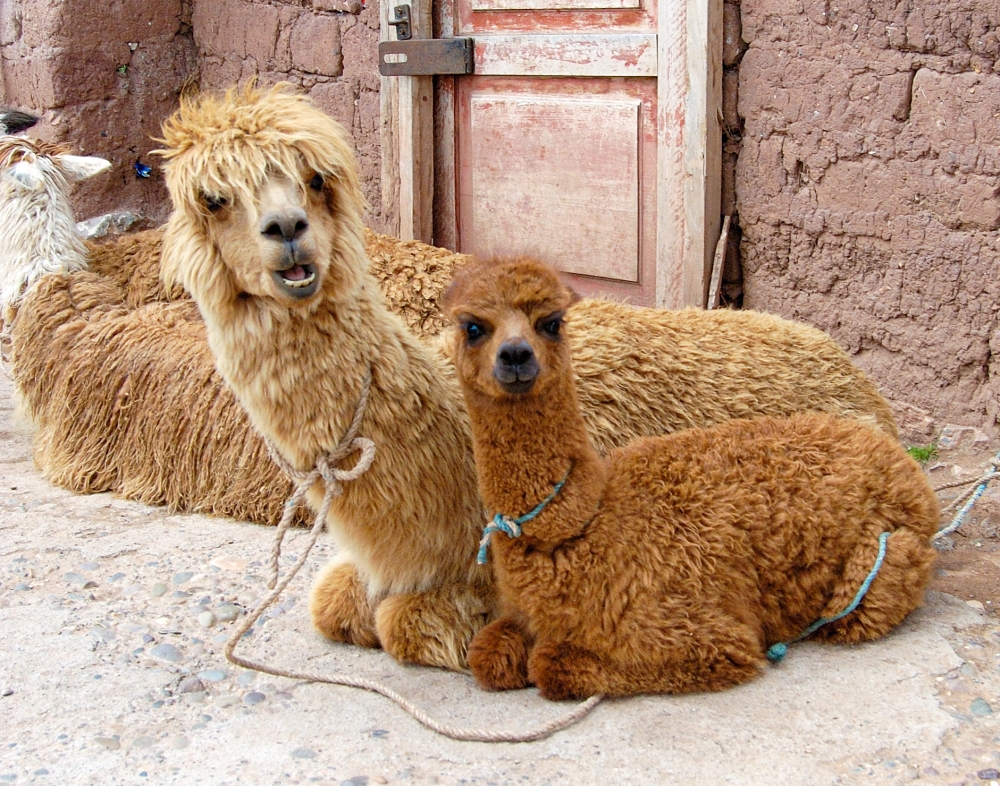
[524, 447]
[300, 373]
[39, 237]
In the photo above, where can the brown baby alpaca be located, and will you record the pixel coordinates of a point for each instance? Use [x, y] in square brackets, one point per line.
[673, 564]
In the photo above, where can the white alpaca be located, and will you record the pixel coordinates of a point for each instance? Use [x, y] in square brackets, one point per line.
[39, 232]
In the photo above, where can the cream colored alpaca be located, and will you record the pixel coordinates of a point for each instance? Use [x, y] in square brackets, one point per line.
[266, 235]
[100, 356]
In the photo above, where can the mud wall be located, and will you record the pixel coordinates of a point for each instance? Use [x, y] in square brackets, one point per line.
[867, 185]
[103, 74]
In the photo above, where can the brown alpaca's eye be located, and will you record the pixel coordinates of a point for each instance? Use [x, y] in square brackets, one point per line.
[474, 332]
[316, 184]
[215, 203]
[551, 326]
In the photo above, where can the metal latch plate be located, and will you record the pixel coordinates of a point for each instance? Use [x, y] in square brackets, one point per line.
[426, 57]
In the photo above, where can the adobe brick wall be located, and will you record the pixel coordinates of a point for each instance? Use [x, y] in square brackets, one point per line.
[868, 187]
[104, 73]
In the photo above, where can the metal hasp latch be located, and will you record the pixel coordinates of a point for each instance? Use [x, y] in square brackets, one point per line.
[409, 56]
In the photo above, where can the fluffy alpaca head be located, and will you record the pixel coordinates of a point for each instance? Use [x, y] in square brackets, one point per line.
[267, 202]
[509, 339]
[39, 230]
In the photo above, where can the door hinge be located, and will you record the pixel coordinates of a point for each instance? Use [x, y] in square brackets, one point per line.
[400, 19]
[426, 56]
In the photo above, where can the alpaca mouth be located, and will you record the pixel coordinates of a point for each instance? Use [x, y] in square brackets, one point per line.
[299, 280]
[518, 387]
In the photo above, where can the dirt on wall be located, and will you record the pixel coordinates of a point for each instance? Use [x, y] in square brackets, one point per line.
[868, 188]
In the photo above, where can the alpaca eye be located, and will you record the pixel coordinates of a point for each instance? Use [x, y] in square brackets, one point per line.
[551, 326]
[316, 184]
[215, 204]
[473, 331]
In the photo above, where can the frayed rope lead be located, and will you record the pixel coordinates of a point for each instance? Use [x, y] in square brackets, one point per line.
[510, 526]
[779, 650]
[332, 479]
[969, 499]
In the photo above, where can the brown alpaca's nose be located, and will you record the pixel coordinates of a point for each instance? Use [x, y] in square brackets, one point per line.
[284, 225]
[516, 368]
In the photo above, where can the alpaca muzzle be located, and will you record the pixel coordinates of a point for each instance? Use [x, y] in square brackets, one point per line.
[516, 367]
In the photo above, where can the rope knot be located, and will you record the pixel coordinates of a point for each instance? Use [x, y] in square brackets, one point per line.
[325, 469]
[511, 526]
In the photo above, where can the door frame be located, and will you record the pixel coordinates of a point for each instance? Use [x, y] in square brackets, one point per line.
[689, 144]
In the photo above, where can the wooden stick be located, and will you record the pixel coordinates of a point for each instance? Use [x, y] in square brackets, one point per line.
[715, 288]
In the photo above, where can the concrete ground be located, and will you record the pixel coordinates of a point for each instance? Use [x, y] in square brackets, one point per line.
[113, 618]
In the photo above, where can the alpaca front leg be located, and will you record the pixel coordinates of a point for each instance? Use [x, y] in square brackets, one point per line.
[434, 628]
[339, 605]
[498, 656]
[564, 671]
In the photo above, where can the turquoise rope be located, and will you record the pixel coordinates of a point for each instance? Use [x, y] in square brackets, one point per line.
[973, 499]
[779, 650]
[511, 526]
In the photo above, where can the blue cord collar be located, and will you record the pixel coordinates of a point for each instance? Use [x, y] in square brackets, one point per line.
[510, 526]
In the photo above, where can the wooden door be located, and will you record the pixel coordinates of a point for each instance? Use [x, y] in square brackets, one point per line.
[588, 135]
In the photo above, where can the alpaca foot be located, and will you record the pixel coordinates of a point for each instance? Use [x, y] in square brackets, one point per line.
[433, 628]
[563, 671]
[897, 590]
[498, 656]
[339, 606]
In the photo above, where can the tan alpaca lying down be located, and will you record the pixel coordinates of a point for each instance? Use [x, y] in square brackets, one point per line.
[292, 316]
[673, 564]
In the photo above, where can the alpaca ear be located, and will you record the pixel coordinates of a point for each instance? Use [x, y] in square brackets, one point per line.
[12, 121]
[574, 296]
[25, 175]
[450, 294]
[79, 168]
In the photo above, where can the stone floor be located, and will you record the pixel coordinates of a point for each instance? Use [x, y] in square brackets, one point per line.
[113, 618]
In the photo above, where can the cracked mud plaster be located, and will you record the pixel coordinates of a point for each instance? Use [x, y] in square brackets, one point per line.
[868, 188]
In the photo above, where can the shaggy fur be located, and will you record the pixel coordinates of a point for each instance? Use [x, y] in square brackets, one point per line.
[39, 234]
[103, 330]
[105, 356]
[412, 275]
[673, 564]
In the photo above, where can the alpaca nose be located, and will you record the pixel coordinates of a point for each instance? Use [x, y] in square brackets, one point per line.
[516, 368]
[515, 353]
[284, 225]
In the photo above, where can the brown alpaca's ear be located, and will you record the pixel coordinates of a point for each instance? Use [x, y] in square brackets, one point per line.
[450, 296]
[574, 296]
[457, 289]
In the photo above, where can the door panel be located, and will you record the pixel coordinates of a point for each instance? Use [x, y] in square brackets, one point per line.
[589, 134]
[556, 140]
[624, 55]
[567, 190]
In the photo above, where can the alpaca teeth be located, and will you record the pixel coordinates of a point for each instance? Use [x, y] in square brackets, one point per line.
[303, 283]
